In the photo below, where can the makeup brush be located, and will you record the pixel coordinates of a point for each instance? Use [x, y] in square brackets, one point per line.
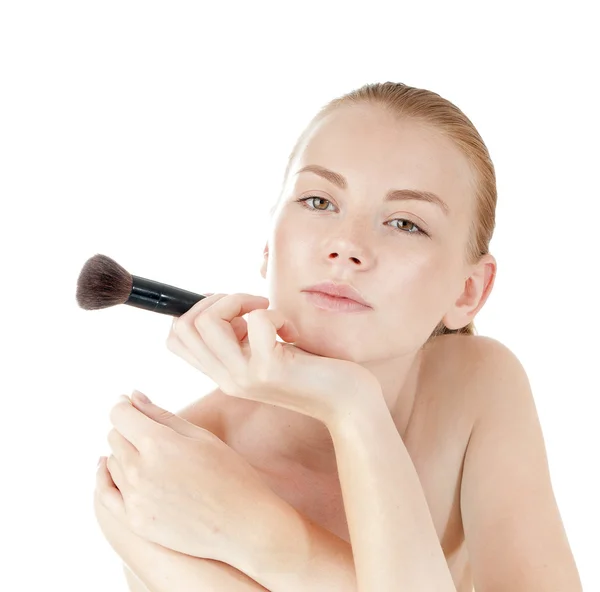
[103, 282]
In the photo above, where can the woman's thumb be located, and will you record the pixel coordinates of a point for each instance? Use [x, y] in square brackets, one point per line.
[160, 415]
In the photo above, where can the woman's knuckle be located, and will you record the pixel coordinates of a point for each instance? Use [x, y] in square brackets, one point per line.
[112, 436]
[133, 472]
[169, 446]
[148, 444]
[180, 324]
[113, 414]
[170, 341]
[205, 303]
[201, 320]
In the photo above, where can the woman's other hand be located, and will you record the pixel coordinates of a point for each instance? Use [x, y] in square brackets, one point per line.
[179, 486]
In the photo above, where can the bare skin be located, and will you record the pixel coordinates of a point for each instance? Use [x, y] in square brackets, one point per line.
[461, 404]
[436, 436]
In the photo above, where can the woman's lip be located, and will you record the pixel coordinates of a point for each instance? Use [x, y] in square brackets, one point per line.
[335, 303]
[339, 290]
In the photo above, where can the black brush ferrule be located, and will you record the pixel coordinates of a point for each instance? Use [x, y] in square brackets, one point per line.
[162, 298]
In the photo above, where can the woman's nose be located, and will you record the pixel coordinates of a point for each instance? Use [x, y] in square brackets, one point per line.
[349, 249]
[358, 260]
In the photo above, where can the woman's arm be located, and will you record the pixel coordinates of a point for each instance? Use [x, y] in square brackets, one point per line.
[159, 569]
[393, 536]
[394, 542]
[515, 535]
[302, 555]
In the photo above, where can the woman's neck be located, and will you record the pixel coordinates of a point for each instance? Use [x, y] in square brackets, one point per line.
[276, 436]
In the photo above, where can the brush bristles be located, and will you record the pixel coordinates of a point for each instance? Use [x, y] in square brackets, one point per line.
[102, 283]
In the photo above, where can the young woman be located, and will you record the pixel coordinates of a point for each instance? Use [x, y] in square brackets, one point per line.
[407, 448]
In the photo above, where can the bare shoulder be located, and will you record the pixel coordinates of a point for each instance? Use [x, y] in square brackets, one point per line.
[472, 349]
[496, 378]
[480, 367]
[214, 411]
[513, 528]
[206, 412]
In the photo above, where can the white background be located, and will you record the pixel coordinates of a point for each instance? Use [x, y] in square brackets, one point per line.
[157, 134]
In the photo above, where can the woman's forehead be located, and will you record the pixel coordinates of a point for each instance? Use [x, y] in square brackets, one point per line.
[374, 150]
[375, 135]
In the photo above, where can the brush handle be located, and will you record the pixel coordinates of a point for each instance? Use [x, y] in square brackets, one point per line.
[162, 298]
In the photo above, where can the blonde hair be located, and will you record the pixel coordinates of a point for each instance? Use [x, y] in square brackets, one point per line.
[430, 108]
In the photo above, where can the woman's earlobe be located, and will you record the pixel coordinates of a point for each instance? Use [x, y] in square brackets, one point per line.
[477, 288]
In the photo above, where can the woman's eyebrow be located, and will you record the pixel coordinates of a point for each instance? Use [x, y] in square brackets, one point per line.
[391, 195]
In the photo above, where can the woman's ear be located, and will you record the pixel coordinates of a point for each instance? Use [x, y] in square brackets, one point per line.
[476, 290]
[263, 267]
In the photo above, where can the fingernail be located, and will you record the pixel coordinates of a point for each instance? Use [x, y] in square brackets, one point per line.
[124, 398]
[140, 397]
[99, 461]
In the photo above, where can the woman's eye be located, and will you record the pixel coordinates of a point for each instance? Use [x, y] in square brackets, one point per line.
[322, 199]
[408, 224]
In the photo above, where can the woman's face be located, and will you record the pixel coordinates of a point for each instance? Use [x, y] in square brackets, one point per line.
[350, 233]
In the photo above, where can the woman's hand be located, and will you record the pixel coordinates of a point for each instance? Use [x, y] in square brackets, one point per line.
[245, 359]
[179, 486]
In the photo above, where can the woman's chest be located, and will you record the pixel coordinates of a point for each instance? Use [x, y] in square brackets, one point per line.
[439, 468]
[320, 498]
[436, 441]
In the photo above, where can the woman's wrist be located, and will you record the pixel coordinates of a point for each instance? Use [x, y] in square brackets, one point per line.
[301, 555]
[271, 529]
